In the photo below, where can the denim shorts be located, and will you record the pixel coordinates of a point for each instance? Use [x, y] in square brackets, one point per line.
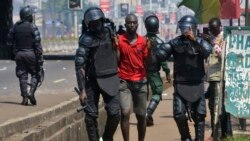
[136, 91]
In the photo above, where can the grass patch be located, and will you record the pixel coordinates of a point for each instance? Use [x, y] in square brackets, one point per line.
[239, 138]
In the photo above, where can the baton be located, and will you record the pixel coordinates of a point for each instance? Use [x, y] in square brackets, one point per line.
[85, 103]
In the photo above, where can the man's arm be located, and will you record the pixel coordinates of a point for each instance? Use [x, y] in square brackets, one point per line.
[36, 40]
[80, 61]
[166, 69]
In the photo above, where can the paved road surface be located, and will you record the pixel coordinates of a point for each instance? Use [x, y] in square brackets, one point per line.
[165, 128]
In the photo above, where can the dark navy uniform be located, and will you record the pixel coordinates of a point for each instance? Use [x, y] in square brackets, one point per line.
[25, 42]
[96, 72]
[189, 75]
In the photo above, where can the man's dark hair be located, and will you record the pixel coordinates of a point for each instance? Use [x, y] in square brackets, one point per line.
[214, 22]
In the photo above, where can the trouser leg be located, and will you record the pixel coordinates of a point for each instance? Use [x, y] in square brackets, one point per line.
[33, 88]
[213, 94]
[226, 127]
[22, 75]
[23, 88]
[198, 115]
[156, 85]
[180, 117]
[199, 128]
[112, 106]
[92, 127]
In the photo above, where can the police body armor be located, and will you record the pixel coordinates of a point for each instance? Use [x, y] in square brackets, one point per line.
[152, 63]
[23, 35]
[104, 70]
[189, 69]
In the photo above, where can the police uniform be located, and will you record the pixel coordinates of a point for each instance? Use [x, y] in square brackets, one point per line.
[24, 40]
[188, 79]
[153, 66]
[96, 72]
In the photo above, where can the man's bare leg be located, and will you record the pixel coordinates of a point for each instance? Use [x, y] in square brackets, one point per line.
[141, 127]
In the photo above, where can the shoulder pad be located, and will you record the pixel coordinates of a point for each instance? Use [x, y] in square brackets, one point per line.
[19, 22]
[86, 40]
[165, 46]
[178, 41]
[178, 44]
[33, 26]
[164, 52]
[81, 51]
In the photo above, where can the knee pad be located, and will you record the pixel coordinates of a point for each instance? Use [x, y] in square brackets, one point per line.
[179, 107]
[180, 117]
[201, 107]
[198, 118]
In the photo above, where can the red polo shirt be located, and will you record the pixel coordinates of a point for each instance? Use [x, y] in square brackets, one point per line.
[131, 66]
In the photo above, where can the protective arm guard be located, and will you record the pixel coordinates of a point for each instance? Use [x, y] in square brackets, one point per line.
[164, 52]
[36, 40]
[80, 60]
[205, 47]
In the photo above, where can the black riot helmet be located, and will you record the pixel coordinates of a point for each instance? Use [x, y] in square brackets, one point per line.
[92, 14]
[26, 14]
[186, 23]
[214, 26]
[152, 24]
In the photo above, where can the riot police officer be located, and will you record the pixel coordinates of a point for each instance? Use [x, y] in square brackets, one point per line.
[25, 42]
[189, 52]
[153, 66]
[96, 72]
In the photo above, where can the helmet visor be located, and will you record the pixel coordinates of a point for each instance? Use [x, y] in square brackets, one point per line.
[185, 29]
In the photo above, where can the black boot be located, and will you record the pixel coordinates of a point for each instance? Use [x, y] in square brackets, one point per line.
[150, 120]
[150, 110]
[31, 95]
[110, 128]
[91, 127]
[199, 131]
[25, 100]
[182, 125]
